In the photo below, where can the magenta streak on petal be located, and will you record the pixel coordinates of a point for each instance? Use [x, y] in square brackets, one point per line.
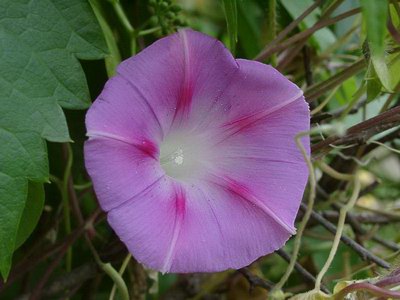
[180, 208]
[143, 145]
[236, 126]
[185, 99]
[242, 191]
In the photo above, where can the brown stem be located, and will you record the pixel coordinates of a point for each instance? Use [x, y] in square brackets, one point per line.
[254, 280]
[264, 53]
[317, 90]
[364, 218]
[307, 66]
[73, 199]
[304, 34]
[361, 132]
[392, 29]
[39, 287]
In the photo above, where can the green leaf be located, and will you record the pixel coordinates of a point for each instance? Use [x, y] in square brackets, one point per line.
[31, 214]
[382, 71]
[13, 191]
[346, 91]
[375, 15]
[393, 63]
[230, 9]
[40, 44]
[374, 88]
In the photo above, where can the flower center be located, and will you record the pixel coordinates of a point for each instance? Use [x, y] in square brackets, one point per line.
[184, 156]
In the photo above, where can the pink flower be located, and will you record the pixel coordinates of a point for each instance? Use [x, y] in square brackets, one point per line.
[192, 154]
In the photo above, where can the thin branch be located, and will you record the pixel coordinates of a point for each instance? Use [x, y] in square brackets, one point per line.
[69, 280]
[363, 218]
[332, 7]
[36, 294]
[360, 250]
[73, 199]
[304, 34]
[265, 52]
[299, 268]
[326, 116]
[362, 132]
[31, 262]
[307, 65]
[317, 90]
[255, 281]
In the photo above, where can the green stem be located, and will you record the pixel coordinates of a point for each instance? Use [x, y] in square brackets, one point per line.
[230, 10]
[306, 217]
[114, 58]
[120, 272]
[65, 202]
[122, 16]
[83, 186]
[125, 23]
[333, 173]
[110, 271]
[385, 146]
[339, 231]
[149, 31]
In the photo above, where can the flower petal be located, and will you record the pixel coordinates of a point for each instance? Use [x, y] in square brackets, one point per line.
[150, 223]
[263, 159]
[221, 230]
[122, 112]
[180, 75]
[256, 91]
[202, 228]
[120, 170]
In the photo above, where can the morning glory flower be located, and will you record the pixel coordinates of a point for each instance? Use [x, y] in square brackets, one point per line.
[192, 155]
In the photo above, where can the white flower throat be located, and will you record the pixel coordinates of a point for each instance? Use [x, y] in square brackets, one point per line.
[184, 156]
[178, 157]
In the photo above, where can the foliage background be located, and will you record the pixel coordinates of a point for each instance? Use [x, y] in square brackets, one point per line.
[55, 57]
